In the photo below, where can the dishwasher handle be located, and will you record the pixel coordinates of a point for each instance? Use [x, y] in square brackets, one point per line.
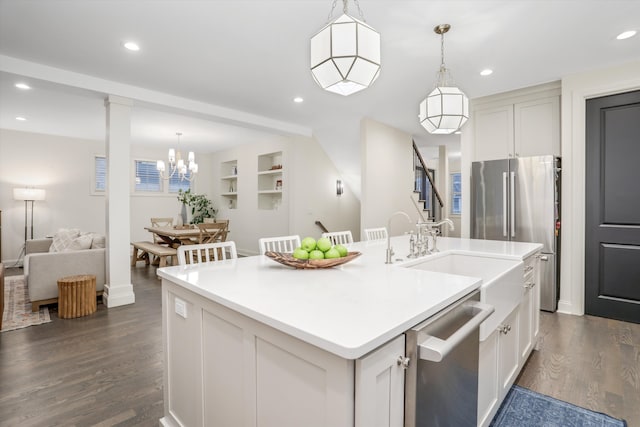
[434, 349]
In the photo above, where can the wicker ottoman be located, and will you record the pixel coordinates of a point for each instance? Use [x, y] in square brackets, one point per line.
[76, 296]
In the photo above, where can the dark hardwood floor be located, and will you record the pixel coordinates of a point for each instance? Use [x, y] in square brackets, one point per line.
[100, 370]
[106, 369]
[589, 361]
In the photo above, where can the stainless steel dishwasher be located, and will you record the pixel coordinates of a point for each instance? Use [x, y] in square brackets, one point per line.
[441, 383]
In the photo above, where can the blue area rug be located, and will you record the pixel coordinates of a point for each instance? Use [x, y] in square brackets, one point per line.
[526, 408]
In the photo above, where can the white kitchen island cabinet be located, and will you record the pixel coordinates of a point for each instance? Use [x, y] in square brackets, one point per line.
[249, 342]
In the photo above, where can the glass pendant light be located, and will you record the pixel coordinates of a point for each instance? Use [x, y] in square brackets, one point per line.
[446, 109]
[345, 54]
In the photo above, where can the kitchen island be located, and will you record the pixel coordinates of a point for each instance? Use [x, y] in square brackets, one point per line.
[249, 342]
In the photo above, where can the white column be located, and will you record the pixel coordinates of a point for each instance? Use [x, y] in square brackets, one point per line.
[118, 290]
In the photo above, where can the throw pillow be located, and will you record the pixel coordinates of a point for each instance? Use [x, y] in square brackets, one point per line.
[62, 239]
[79, 243]
[98, 241]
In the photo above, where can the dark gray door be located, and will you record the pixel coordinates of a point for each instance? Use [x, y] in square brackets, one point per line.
[612, 238]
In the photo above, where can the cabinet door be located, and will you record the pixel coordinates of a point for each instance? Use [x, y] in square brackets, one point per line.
[537, 127]
[508, 360]
[493, 133]
[525, 332]
[488, 387]
[380, 387]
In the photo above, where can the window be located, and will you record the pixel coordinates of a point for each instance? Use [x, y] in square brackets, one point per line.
[456, 193]
[147, 176]
[100, 176]
[176, 184]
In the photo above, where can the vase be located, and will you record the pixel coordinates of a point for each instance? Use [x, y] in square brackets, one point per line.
[183, 214]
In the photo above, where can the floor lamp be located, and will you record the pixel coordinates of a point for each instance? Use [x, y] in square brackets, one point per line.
[28, 195]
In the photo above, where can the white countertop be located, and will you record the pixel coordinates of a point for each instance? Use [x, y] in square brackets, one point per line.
[347, 310]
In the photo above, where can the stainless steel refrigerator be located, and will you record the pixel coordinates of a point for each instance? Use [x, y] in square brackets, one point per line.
[518, 199]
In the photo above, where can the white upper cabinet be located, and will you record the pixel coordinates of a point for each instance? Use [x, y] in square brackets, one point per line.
[517, 124]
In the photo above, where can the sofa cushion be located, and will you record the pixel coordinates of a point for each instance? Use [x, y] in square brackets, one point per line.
[63, 239]
[98, 241]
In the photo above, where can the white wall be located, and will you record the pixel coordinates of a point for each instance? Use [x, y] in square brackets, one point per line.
[64, 168]
[576, 89]
[309, 193]
[387, 176]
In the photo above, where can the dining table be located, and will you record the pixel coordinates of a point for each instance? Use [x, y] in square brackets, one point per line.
[176, 236]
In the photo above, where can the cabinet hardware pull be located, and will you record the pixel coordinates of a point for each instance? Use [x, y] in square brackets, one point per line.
[403, 362]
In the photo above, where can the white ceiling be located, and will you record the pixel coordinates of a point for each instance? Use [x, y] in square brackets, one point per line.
[253, 56]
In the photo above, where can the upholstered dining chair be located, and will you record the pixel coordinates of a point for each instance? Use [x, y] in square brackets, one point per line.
[339, 237]
[375, 233]
[211, 233]
[279, 244]
[160, 222]
[208, 252]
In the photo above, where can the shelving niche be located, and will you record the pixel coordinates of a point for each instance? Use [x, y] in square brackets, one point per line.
[229, 184]
[270, 181]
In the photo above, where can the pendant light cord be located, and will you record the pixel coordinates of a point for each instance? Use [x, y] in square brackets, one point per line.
[345, 9]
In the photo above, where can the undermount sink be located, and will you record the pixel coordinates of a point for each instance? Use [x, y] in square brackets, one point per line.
[502, 280]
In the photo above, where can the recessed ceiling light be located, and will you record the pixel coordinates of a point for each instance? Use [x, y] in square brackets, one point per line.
[22, 86]
[21, 119]
[486, 72]
[298, 99]
[457, 132]
[626, 34]
[132, 46]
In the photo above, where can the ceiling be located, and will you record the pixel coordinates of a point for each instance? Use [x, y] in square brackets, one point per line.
[253, 57]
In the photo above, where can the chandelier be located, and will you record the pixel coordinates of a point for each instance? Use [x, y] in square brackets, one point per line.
[345, 53]
[177, 165]
[446, 109]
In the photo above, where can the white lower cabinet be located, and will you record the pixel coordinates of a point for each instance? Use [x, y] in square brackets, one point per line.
[380, 386]
[225, 369]
[499, 365]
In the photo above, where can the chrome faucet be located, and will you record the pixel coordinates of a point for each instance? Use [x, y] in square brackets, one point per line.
[434, 233]
[390, 252]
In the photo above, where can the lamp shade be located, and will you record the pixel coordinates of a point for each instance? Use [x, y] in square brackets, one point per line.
[28, 194]
[345, 56]
[444, 110]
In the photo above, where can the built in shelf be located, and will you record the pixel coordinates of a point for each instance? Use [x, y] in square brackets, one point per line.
[229, 177]
[230, 194]
[270, 192]
[271, 172]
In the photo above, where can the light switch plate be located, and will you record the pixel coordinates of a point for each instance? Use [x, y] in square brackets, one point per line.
[181, 308]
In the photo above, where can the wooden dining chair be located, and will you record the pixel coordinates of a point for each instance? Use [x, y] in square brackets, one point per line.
[279, 244]
[375, 233]
[339, 237]
[160, 222]
[208, 252]
[223, 235]
[211, 232]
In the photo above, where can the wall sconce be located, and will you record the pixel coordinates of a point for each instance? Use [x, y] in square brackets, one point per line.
[339, 187]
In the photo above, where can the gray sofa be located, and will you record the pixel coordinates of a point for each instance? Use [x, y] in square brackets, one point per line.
[42, 269]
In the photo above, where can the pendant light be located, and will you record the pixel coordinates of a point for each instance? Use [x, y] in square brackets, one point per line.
[345, 54]
[446, 109]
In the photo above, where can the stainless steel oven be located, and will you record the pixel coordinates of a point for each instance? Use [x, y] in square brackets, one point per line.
[441, 383]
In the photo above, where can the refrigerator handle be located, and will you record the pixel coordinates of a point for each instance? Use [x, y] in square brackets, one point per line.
[512, 203]
[504, 204]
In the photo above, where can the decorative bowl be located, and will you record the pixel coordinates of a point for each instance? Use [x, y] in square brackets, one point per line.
[288, 260]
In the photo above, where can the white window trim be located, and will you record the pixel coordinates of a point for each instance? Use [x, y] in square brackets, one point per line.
[92, 190]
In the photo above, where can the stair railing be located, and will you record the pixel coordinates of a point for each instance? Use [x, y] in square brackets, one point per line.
[426, 171]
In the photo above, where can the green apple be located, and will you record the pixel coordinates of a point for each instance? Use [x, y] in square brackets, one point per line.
[324, 244]
[300, 253]
[332, 253]
[308, 244]
[316, 254]
[342, 250]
